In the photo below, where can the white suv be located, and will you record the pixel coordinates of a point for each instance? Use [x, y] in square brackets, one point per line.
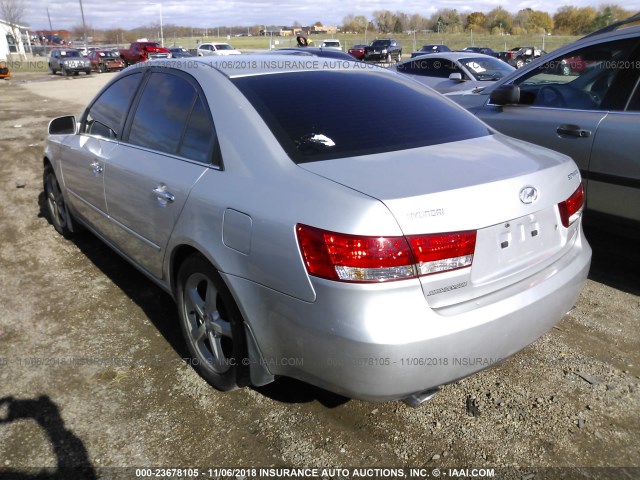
[332, 43]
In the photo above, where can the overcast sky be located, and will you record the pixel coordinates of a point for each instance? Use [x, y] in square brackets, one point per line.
[130, 14]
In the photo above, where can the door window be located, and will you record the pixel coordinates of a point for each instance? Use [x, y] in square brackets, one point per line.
[107, 114]
[172, 118]
[578, 80]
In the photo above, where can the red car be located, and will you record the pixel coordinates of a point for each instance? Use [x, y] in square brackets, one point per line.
[105, 60]
[357, 51]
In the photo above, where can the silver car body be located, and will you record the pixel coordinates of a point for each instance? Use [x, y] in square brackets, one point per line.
[375, 341]
[454, 71]
[596, 121]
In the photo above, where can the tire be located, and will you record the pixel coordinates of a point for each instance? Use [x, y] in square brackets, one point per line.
[52, 70]
[212, 325]
[56, 206]
[388, 60]
[519, 63]
[102, 68]
[399, 59]
[65, 72]
[87, 72]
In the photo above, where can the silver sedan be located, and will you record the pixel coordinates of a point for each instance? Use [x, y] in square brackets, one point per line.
[454, 71]
[377, 262]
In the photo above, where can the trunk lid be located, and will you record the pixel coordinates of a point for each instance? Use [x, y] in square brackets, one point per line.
[477, 185]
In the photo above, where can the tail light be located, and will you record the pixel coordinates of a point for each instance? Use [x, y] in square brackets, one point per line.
[571, 208]
[366, 259]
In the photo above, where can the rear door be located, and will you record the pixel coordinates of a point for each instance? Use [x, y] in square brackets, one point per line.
[170, 138]
[614, 170]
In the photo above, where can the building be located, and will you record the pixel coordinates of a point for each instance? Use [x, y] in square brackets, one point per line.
[9, 44]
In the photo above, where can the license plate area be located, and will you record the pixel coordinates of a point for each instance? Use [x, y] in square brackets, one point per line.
[515, 246]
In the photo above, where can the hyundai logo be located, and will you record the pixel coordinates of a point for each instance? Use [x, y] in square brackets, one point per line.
[528, 195]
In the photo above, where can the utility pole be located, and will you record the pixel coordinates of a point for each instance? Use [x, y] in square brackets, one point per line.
[84, 27]
[49, 17]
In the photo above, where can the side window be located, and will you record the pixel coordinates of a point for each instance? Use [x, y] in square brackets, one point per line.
[634, 104]
[107, 114]
[430, 67]
[172, 118]
[579, 80]
[198, 135]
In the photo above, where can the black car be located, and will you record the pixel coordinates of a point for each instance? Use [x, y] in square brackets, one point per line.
[483, 50]
[427, 49]
[313, 51]
[68, 61]
[179, 52]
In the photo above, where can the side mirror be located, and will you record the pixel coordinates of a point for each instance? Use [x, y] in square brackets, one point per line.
[505, 95]
[63, 125]
[456, 77]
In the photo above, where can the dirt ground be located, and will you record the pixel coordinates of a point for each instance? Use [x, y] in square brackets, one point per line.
[92, 376]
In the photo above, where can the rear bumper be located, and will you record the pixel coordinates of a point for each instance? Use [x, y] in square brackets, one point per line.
[383, 342]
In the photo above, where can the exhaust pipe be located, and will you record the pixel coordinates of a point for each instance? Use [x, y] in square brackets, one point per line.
[419, 398]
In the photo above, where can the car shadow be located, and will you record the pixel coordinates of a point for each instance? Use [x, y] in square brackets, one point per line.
[616, 258]
[290, 390]
[72, 458]
[161, 310]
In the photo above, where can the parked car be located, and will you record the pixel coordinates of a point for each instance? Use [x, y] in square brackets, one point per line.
[5, 73]
[591, 114]
[519, 56]
[105, 60]
[143, 51]
[217, 49]
[483, 50]
[179, 52]
[383, 50]
[451, 71]
[331, 43]
[298, 243]
[311, 51]
[427, 49]
[357, 51]
[68, 61]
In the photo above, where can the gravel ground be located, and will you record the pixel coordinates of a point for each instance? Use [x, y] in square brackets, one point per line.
[92, 376]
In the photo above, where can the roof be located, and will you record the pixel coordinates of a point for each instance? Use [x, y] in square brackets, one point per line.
[454, 56]
[22, 27]
[256, 64]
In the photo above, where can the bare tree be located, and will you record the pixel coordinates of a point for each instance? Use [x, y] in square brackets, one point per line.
[12, 12]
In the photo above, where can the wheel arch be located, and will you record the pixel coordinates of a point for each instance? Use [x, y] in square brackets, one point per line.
[258, 372]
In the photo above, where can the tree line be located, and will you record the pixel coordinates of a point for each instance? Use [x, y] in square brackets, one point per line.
[568, 20]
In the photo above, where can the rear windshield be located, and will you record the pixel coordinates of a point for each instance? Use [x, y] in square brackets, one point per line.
[321, 115]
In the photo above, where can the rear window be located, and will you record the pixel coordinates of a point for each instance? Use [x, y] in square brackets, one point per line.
[321, 115]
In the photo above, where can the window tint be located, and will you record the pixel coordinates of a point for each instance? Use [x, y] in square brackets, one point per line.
[486, 68]
[429, 67]
[162, 112]
[404, 115]
[198, 135]
[634, 104]
[111, 107]
[577, 80]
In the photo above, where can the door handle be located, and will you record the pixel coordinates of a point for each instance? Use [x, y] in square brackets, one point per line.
[163, 196]
[573, 131]
[96, 168]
